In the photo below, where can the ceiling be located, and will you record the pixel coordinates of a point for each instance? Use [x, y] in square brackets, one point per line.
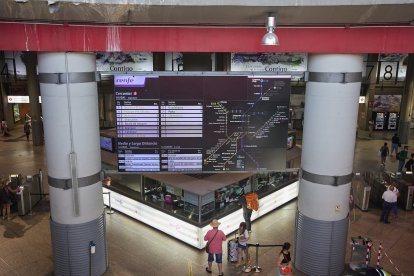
[213, 13]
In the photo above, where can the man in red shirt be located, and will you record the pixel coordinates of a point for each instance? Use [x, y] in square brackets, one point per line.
[215, 238]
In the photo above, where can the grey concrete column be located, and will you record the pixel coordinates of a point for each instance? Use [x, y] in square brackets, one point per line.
[70, 116]
[30, 60]
[372, 63]
[407, 102]
[331, 111]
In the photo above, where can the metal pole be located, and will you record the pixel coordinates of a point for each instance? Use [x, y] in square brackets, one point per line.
[30, 204]
[41, 183]
[257, 268]
[110, 212]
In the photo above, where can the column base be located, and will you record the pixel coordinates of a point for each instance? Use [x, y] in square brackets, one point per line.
[320, 246]
[72, 247]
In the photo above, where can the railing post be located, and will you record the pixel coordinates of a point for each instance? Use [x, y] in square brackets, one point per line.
[257, 268]
[30, 204]
[110, 211]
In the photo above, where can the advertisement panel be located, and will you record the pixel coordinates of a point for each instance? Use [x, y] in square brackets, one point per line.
[123, 61]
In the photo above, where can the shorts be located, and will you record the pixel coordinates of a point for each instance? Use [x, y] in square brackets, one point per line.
[219, 258]
[241, 246]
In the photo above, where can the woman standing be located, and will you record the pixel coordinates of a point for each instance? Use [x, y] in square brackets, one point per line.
[6, 200]
[284, 261]
[242, 246]
[214, 238]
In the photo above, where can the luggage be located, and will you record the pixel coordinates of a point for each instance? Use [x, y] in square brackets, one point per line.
[232, 251]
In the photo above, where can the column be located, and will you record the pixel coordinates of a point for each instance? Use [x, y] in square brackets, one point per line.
[30, 60]
[331, 110]
[70, 116]
[407, 102]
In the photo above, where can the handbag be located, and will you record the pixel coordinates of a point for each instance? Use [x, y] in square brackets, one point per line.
[208, 243]
[285, 269]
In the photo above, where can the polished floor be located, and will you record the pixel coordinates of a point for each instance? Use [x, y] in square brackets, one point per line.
[135, 249]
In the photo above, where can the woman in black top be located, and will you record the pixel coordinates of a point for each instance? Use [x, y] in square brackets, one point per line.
[6, 200]
[284, 261]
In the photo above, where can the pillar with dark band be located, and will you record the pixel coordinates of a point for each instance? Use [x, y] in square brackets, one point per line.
[329, 133]
[70, 116]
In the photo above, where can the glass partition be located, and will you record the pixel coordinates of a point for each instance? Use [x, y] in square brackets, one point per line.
[194, 208]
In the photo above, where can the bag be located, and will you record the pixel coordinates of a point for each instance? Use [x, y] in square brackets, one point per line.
[252, 201]
[379, 153]
[208, 243]
[285, 269]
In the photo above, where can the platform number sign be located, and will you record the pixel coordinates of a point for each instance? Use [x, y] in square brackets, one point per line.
[386, 71]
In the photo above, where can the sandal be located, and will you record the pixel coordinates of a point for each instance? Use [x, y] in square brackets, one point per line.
[208, 270]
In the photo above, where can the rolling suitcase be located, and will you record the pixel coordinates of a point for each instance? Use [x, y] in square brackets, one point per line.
[232, 250]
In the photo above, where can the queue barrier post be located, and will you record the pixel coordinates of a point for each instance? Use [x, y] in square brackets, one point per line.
[257, 268]
[110, 211]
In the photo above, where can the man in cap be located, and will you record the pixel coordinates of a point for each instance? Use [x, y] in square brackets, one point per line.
[214, 238]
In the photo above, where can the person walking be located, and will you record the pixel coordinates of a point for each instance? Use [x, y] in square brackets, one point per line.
[26, 129]
[384, 152]
[284, 262]
[215, 238]
[370, 127]
[395, 144]
[401, 156]
[389, 197]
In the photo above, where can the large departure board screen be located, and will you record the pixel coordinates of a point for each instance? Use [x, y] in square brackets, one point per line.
[201, 123]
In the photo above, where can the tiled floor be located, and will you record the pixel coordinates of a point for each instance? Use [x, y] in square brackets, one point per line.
[135, 249]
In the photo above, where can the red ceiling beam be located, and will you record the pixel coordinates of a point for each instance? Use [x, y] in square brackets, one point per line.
[48, 37]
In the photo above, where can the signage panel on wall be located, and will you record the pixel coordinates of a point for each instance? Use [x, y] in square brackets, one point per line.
[123, 61]
[201, 123]
[386, 103]
[20, 99]
[269, 62]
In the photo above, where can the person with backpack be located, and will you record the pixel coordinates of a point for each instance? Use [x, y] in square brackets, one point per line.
[247, 213]
[401, 156]
[26, 129]
[384, 152]
[395, 144]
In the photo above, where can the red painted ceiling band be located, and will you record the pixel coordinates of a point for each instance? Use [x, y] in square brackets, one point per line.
[50, 38]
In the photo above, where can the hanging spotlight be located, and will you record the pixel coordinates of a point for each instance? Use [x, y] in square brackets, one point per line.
[53, 6]
[270, 38]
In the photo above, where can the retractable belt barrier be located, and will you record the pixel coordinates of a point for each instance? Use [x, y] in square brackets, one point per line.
[257, 268]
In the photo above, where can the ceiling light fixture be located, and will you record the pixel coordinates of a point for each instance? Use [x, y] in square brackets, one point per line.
[53, 6]
[270, 38]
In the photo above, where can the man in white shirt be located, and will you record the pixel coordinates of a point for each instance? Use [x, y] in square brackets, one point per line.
[389, 198]
[394, 203]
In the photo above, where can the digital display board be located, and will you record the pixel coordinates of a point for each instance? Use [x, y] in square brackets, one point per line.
[107, 143]
[201, 123]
